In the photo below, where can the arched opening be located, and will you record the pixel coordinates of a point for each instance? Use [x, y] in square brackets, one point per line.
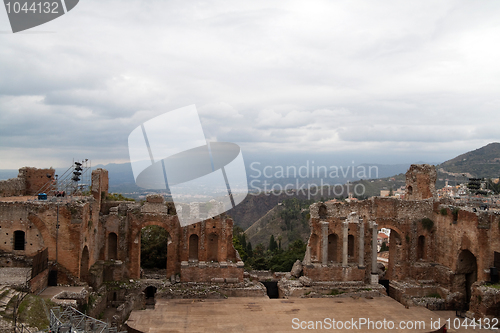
[112, 246]
[154, 249]
[149, 294]
[410, 190]
[391, 260]
[394, 264]
[271, 288]
[193, 247]
[332, 247]
[421, 248]
[313, 243]
[19, 240]
[350, 247]
[322, 212]
[213, 247]
[467, 274]
[84, 265]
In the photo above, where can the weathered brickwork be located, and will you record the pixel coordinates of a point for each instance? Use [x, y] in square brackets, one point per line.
[444, 246]
[28, 182]
[97, 241]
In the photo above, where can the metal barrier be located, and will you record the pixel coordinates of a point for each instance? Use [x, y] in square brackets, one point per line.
[71, 320]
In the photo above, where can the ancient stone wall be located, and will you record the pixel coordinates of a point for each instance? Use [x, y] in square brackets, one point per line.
[431, 241]
[35, 179]
[12, 187]
[420, 182]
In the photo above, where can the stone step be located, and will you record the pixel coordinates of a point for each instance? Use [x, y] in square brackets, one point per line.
[6, 299]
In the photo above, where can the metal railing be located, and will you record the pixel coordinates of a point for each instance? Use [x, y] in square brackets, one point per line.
[71, 320]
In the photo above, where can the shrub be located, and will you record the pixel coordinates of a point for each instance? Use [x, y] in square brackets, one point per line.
[443, 211]
[427, 223]
[335, 292]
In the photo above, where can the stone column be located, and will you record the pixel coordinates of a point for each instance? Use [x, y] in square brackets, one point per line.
[345, 235]
[361, 263]
[374, 277]
[324, 244]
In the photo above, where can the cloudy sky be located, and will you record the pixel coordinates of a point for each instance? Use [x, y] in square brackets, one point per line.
[379, 81]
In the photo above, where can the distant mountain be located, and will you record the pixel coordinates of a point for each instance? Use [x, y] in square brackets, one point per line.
[480, 163]
[8, 174]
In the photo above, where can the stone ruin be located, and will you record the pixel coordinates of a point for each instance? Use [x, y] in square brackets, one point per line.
[95, 241]
[441, 254]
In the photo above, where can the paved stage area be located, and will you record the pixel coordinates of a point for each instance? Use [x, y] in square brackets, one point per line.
[248, 314]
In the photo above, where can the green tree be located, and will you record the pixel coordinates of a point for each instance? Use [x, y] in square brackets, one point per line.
[273, 246]
[154, 241]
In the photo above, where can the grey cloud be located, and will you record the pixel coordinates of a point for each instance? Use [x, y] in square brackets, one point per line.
[326, 77]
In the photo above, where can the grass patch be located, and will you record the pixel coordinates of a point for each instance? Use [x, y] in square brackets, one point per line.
[335, 292]
[434, 295]
[427, 223]
[496, 285]
[32, 311]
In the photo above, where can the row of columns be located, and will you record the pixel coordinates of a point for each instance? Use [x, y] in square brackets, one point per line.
[345, 248]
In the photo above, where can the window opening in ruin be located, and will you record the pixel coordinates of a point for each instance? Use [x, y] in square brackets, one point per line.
[467, 267]
[19, 240]
[150, 293]
[314, 247]
[154, 245]
[421, 248]
[350, 247]
[387, 273]
[112, 246]
[410, 190]
[322, 212]
[332, 247]
[271, 288]
[213, 247]
[84, 265]
[193, 247]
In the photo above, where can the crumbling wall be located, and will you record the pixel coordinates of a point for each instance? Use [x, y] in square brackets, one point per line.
[14, 216]
[35, 179]
[420, 182]
[12, 187]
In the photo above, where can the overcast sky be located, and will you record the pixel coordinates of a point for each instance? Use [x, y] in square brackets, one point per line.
[384, 81]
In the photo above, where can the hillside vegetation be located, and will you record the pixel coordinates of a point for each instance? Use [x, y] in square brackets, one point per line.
[480, 163]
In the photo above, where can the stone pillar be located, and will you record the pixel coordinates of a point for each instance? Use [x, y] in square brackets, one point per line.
[374, 276]
[345, 235]
[361, 263]
[324, 243]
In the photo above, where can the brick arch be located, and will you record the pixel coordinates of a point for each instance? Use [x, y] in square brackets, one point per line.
[213, 245]
[146, 224]
[390, 226]
[395, 257]
[135, 249]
